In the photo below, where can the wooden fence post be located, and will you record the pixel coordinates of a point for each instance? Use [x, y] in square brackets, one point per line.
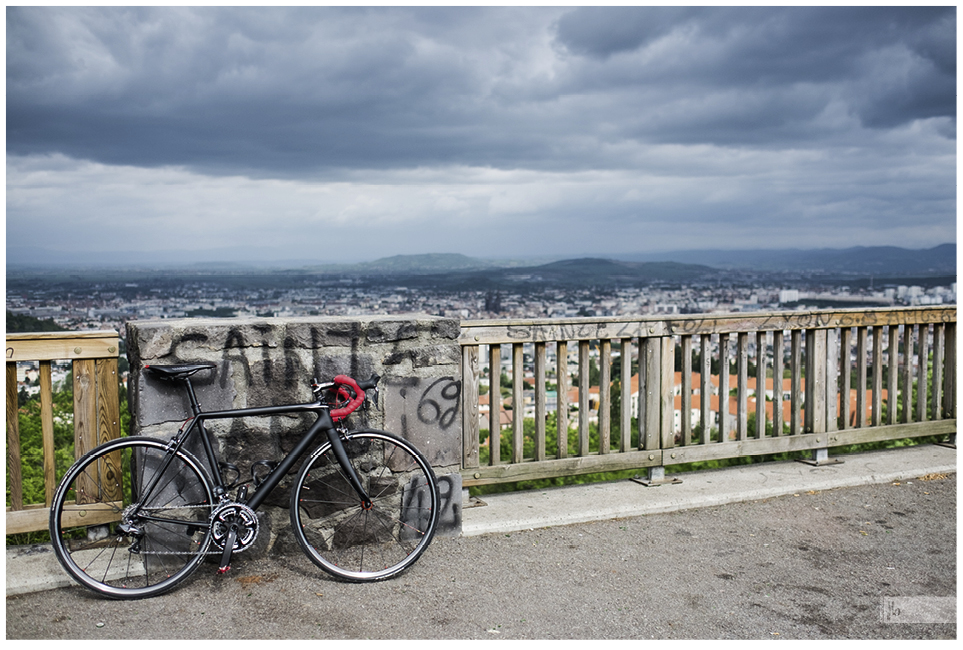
[605, 395]
[650, 370]
[495, 404]
[470, 374]
[13, 439]
[518, 404]
[685, 403]
[819, 354]
[583, 398]
[540, 399]
[626, 395]
[561, 421]
[47, 431]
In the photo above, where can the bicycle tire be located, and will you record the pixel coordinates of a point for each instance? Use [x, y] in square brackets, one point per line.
[124, 545]
[356, 544]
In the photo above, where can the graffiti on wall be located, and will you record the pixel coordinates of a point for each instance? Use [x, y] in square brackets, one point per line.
[427, 412]
[415, 509]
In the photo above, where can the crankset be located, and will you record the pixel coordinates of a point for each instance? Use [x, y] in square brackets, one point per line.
[234, 527]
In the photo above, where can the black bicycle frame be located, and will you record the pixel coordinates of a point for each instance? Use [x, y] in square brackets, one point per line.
[271, 481]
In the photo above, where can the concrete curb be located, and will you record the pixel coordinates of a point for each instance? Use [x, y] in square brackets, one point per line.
[578, 504]
[35, 568]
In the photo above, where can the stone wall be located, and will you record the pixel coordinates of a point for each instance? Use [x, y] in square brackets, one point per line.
[272, 361]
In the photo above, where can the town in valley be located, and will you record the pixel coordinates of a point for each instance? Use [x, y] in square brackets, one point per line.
[107, 298]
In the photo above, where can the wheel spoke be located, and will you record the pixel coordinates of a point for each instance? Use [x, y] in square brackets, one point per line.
[163, 537]
[357, 543]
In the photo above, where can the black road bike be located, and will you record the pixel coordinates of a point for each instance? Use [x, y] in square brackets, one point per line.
[136, 516]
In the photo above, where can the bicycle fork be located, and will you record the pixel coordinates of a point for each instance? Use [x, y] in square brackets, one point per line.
[338, 448]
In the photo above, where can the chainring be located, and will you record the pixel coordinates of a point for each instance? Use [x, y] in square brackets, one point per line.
[231, 513]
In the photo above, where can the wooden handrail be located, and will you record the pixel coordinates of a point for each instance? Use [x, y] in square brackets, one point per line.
[53, 346]
[96, 407]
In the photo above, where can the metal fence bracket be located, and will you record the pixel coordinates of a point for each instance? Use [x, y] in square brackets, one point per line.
[656, 478]
[820, 459]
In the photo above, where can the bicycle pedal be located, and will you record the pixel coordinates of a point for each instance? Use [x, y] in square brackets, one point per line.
[222, 570]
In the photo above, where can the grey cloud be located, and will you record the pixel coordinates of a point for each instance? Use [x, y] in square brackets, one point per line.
[604, 31]
[890, 65]
[305, 92]
[235, 89]
[765, 43]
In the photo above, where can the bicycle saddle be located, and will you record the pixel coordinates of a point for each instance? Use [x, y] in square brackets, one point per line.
[180, 370]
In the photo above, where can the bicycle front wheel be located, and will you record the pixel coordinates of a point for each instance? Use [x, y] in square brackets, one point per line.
[341, 535]
[131, 518]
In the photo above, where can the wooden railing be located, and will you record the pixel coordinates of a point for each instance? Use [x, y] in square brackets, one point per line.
[850, 376]
[96, 408]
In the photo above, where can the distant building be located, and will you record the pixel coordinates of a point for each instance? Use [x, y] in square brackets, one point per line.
[789, 295]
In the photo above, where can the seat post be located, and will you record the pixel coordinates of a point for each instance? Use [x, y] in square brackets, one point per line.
[195, 406]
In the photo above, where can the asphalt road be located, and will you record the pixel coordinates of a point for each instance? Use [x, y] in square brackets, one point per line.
[818, 565]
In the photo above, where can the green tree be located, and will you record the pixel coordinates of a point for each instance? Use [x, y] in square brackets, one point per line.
[31, 444]
[31, 447]
[26, 323]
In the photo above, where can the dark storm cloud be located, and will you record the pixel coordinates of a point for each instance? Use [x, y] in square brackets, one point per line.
[888, 66]
[291, 92]
[269, 90]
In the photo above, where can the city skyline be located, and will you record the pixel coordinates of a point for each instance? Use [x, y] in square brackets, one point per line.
[352, 134]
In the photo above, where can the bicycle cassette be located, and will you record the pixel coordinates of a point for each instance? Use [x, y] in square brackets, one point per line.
[238, 515]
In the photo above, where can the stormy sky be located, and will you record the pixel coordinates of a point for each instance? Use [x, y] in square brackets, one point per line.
[348, 134]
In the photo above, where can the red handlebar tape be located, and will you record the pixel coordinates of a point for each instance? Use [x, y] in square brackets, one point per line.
[356, 401]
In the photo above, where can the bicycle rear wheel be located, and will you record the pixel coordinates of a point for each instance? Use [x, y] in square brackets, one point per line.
[361, 544]
[131, 518]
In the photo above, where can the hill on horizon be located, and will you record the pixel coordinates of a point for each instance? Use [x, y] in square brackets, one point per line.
[583, 272]
[616, 270]
[424, 263]
[890, 261]
[865, 260]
